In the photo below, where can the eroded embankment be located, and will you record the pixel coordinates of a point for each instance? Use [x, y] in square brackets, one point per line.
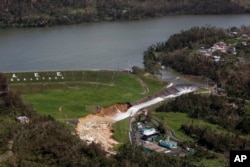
[98, 127]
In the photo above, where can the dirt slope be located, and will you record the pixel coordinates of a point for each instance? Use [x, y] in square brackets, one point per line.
[98, 127]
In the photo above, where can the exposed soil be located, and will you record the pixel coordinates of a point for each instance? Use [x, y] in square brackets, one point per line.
[112, 110]
[98, 127]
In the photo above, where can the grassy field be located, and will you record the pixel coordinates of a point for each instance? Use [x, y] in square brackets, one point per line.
[174, 120]
[121, 131]
[71, 94]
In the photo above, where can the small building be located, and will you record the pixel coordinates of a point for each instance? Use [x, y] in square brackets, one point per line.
[205, 52]
[216, 58]
[127, 70]
[150, 137]
[234, 33]
[139, 125]
[220, 46]
[23, 119]
[168, 144]
[244, 36]
[148, 131]
[244, 43]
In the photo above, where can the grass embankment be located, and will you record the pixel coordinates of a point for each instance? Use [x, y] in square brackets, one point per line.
[121, 131]
[74, 94]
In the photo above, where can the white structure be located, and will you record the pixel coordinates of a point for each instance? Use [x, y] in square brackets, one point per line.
[23, 119]
[59, 74]
[149, 131]
[14, 76]
[36, 75]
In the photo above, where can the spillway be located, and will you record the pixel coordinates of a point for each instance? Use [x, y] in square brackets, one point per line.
[169, 92]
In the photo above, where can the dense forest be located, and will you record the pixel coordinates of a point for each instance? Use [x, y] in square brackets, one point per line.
[223, 56]
[35, 13]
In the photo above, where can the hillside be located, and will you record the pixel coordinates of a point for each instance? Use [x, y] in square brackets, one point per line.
[219, 55]
[38, 140]
[34, 13]
[42, 141]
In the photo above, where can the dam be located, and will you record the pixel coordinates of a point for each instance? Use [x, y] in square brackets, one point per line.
[169, 92]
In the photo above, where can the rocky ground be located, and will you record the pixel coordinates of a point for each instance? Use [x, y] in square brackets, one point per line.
[98, 127]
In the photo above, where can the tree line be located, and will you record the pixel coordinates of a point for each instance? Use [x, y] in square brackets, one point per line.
[216, 141]
[34, 13]
[230, 113]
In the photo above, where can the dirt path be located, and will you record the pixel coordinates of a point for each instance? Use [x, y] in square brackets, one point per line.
[146, 90]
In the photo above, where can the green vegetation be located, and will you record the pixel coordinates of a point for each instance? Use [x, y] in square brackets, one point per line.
[121, 131]
[74, 94]
[42, 141]
[218, 160]
[174, 121]
[227, 113]
[47, 12]
[217, 123]
[210, 124]
[166, 121]
[221, 55]
[45, 142]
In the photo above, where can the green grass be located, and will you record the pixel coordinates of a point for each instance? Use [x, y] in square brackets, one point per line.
[174, 120]
[74, 102]
[154, 84]
[211, 162]
[121, 131]
[73, 95]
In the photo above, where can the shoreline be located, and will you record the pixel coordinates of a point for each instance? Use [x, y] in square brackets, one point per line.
[118, 20]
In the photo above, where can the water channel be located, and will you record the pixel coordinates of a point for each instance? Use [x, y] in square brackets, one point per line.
[103, 45]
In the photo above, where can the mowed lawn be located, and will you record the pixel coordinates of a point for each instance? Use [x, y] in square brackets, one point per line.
[73, 99]
[74, 103]
[121, 131]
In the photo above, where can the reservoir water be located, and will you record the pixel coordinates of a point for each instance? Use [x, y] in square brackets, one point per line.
[103, 45]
